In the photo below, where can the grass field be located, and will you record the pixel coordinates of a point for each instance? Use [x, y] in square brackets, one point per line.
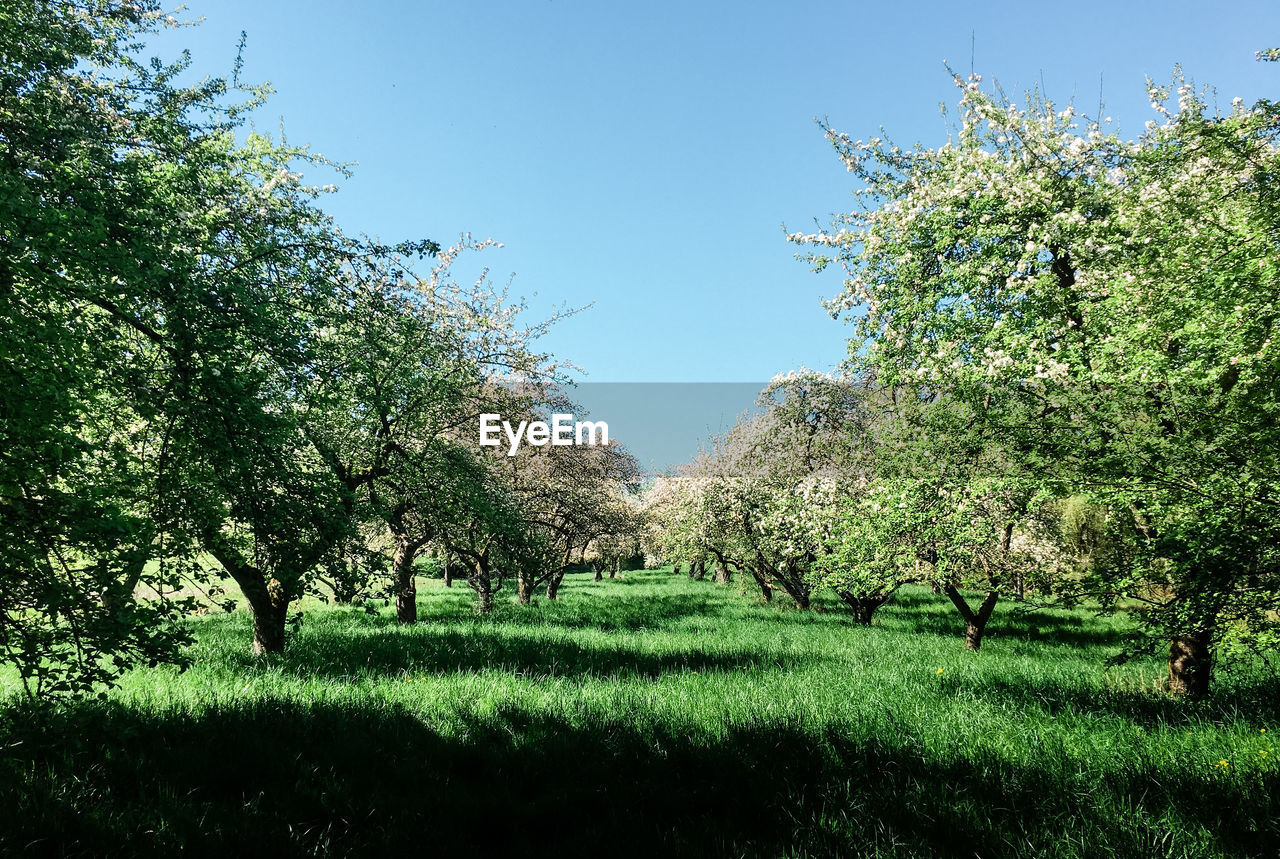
[649, 715]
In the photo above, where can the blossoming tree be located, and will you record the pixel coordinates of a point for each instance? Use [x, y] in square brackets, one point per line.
[1107, 307]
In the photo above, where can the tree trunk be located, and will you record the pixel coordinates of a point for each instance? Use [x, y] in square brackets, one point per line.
[270, 610]
[1190, 663]
[405, 582]
[482, 585]
[702, 571]
[599, 576]
[791, 581]
[448, 572]
[120, 593]
[675, 568]
[1019, 576]
[485, 595]
[524, 589]
[723, 576]
[975, 623]
[480, 580]
[402, 577]
[765, 590]
[862, 607]
[266, 595]
[553, 585]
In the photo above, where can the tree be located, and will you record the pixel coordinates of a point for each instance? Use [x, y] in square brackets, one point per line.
[1106, 308]
[681, 520]
[411, 367]
[568, 496]
[482, 528]
[88, 466]
[758, 500]
[274, 282]
[177, 284]
[619, 541]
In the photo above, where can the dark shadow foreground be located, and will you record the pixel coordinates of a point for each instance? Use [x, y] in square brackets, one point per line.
[278, 778]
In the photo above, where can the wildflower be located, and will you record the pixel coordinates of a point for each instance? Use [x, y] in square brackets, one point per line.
[939, 670]
[1224, 764]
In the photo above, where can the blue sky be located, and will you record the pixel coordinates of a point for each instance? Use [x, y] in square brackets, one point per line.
[644, 156]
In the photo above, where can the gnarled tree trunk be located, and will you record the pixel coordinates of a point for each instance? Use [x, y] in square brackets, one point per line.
[405, 582]
[482, 584]
[406, 552]
[722, 576]
[863, 607]
[553, 585]
[790, 578]
[1190, 664]
[269, 606]
[116, 597]
[267, 596]
[766, 590]
[975, 621]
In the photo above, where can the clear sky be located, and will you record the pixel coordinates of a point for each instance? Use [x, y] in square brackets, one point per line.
[645, 156]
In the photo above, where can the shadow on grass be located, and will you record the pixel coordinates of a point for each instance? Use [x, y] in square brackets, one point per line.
[379, 648]
[583, 604]
[934, 614]
[607, 606]
[281, 778]
[612, 611]
[1250, 699]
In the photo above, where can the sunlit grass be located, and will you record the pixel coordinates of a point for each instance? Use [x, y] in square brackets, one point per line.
[653, 714]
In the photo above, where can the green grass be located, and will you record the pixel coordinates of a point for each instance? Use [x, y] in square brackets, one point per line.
[649, 715]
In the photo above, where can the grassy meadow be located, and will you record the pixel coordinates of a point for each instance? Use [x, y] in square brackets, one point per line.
[648, 715]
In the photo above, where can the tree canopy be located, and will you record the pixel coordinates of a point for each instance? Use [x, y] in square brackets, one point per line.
[1106, 310]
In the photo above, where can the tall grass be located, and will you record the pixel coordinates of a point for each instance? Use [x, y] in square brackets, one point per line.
[650, 715]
